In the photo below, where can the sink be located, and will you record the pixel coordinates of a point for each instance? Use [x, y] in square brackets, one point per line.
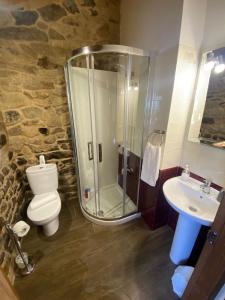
[195, 209]
[187, 198]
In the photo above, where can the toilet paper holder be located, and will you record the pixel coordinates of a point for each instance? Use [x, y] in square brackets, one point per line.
[28, 266]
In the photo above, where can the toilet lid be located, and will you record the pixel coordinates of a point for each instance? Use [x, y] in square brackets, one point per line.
[46, 211]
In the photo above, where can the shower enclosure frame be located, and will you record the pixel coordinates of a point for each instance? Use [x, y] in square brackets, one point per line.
[107, 48]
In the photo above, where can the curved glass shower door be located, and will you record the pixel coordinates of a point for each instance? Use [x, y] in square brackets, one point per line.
[107, 98]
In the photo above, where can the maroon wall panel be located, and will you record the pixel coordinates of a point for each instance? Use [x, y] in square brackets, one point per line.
[152, 203]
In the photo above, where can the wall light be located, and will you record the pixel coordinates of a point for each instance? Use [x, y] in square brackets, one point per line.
[209, 65]
[219, 68]
[210, 61]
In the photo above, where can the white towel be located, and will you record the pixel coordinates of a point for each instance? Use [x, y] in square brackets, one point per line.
[180, 279]
[151, 164]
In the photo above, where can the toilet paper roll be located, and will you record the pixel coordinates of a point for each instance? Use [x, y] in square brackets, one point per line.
[180, 279]
[19, 262]
[21, 228]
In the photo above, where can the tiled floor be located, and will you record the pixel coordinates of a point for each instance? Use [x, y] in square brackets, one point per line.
[84, 261]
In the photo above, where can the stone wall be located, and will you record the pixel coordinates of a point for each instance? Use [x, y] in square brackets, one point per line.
[36, 38]
[11, 197]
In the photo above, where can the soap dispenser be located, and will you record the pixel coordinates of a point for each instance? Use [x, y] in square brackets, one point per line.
[185, 173]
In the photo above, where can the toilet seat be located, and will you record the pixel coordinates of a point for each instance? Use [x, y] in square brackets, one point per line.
[47, 211]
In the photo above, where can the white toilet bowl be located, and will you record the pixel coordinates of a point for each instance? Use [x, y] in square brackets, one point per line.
[43, 210]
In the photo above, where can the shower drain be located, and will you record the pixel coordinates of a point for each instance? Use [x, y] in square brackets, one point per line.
[100, 213]
[192, 208]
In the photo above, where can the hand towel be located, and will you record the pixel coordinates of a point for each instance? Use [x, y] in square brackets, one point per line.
[180, 279]
[151, 164]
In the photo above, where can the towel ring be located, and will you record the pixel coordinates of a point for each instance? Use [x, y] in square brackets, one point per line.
[155, 134]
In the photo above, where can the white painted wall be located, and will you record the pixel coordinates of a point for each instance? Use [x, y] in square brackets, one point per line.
[214, 34]
[177, 30]
[205, 160]
[180, 104]
[191, 34]
[155, 25]
[150, 24]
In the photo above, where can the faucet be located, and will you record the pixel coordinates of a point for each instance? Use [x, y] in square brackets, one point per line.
[221, 195]
[206, 186]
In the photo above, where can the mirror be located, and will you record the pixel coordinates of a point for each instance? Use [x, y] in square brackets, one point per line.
[208, 118]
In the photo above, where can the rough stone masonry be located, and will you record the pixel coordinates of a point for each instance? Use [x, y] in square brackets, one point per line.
[36, 38]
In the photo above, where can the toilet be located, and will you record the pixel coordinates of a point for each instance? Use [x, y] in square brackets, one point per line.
[45, 206]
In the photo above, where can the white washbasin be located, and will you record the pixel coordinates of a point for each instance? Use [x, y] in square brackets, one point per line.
[187, 198]
[195, 209]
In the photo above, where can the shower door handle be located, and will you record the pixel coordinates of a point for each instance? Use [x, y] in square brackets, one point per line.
[100, 152]
[90, 150]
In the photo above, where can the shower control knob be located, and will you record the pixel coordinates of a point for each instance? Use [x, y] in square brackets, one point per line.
[129, 171]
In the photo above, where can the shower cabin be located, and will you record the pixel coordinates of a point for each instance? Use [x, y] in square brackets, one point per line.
[108, 98]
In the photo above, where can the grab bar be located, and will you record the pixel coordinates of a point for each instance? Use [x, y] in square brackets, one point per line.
[90, 151]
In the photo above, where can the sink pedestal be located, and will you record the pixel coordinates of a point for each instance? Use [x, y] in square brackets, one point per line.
[184, 239]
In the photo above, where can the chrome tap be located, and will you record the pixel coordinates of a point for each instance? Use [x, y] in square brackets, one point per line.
[221, 195]
[206, 186]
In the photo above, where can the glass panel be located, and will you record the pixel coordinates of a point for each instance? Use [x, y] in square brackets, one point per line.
[108, 93]
[109, 101]
[137, 93]
[79, 85]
